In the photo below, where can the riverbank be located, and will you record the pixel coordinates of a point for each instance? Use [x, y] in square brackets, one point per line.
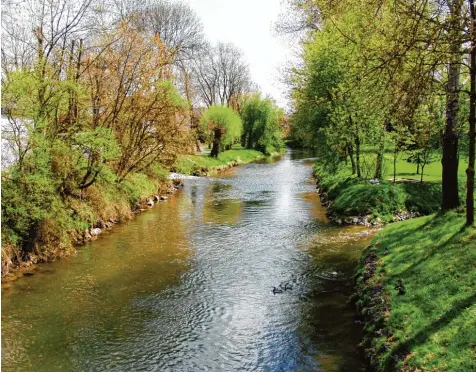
[204, 165]
[105, 204]
[350, 200]
[100, 208]
[415, 291]
[190, 276]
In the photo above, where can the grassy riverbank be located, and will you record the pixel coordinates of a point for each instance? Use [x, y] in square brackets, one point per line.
[68, 221]
[430, 325]
[203, 164]
[349, 197]
[71, 220]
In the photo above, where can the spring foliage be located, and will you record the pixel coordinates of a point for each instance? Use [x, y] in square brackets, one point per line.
[261, 125]
[223, 125]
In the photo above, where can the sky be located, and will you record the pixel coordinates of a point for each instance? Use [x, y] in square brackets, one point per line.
[249, 24]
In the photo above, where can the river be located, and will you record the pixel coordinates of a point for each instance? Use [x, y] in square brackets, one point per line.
[187, 286]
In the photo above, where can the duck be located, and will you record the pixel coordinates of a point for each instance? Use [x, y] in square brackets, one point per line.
[288, 286]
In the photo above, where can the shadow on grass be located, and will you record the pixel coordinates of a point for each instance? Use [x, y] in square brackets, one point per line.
[435, 259]
[424, 334]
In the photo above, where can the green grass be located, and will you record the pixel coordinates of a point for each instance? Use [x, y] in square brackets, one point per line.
[432, 326]
[405, 169]
[353, 197]
[198, 164]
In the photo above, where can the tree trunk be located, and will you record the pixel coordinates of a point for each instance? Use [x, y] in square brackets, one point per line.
[250, 139]
[395, 155]
[472, 120]
[380, 153]
[357, 156]
[418, 165]
[350, 151]
[357, 146]
[216, 143]
[450, 198]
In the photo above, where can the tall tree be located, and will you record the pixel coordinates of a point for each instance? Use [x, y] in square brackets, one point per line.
[220, 73]
[472, 118]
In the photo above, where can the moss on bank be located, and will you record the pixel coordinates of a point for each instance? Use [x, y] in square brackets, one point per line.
[198, 165]
[428, 323]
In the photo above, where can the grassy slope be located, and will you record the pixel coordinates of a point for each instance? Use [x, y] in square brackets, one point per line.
[432, 327]
[352, 197]
[105, 200]
[191, 164]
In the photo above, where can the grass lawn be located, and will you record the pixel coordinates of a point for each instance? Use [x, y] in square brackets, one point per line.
[195, 164]
[350, 196]
[406, 169]
[432, 326]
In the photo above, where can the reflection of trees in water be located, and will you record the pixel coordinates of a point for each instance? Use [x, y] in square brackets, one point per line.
[329, 312]
[110, 280]
[218, 208]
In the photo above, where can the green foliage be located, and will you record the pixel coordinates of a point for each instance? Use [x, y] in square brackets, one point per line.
[431, 326]
[33, 211]
[261, 129]
[222, 124]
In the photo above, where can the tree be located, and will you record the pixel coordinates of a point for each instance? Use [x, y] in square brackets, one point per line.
[175, 23]
[472, 118]
[411, 51]
[224, 126]
[261, 130]
[220, 73]
[131, 94]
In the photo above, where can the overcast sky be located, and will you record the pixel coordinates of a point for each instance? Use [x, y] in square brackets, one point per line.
[249, 25]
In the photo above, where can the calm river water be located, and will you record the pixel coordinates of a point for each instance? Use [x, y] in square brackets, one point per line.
[187, 286]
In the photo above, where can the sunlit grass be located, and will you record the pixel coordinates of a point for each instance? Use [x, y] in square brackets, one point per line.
[406, 169]
[432, 326]
[192, 163]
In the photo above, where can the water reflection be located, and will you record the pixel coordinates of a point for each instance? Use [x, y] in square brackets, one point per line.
[187, 286]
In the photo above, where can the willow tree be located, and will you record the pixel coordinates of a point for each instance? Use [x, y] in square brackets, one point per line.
[223, 125]
[261, 119]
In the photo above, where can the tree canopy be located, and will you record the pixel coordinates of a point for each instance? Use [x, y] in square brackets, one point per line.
[223, 125]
